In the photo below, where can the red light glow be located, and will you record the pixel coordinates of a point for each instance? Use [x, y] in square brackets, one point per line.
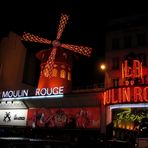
[126, 95]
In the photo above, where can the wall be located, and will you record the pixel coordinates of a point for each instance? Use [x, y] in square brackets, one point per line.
[12, 58]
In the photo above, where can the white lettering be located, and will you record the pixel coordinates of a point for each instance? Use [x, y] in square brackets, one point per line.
[61, 90]
[55, 90]
[43, 91]
[15, 93]
[38, 92]
[49, 91]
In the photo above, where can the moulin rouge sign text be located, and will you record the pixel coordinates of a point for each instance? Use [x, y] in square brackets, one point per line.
[131, 71]
[128, 93]
[38, 92]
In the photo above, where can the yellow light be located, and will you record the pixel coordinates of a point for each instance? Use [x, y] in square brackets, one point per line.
[128, 127]
[120, 125]
[123, 126]
[102, 66]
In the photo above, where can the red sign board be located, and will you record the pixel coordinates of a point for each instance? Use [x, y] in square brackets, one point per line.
[64, 117]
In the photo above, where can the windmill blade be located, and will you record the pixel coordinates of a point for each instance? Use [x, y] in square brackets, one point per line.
[47, 70]
[79, 49]
[63, 21]
[33, 38]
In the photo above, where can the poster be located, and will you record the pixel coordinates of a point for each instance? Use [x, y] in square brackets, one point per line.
[129, 118]
[13, 117]
[64, 117]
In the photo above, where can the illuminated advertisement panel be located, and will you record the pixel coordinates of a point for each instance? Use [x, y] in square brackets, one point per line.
[129, 118]
[16, 117]
[64, 117]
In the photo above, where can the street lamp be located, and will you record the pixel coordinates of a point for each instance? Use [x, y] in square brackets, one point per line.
[103, 67]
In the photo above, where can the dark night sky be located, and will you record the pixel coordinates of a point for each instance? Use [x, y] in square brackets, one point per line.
[86, 26]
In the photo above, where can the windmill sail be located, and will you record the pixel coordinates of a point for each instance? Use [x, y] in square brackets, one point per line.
[46, 71]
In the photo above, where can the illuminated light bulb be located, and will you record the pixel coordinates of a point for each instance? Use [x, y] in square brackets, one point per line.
[123, 126]
[102, 66]
[131, 127]
[120, 125]
[127, 127]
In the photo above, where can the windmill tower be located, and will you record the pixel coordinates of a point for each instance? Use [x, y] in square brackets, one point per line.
[56, 63]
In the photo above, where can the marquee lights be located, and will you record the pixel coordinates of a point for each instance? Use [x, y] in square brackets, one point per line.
[139, 105]
[32, 97]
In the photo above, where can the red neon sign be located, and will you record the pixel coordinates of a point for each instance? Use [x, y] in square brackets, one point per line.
[131, 70]
[126, 95]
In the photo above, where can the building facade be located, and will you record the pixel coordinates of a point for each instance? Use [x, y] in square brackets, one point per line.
[13, 55]
[122, 103]
[126, 76]
[24, 104]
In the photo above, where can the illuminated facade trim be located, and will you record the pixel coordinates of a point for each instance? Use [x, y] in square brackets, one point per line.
[138, 105]
[32, 97]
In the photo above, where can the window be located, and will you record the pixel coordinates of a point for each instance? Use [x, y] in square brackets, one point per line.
[54, 72]
[127, 41]
[141, 39]
[115, 62]
[62, 74]
[115, 82]
[115, 43]
[69, 76]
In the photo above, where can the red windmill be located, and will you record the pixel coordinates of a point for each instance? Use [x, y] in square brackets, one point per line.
[56, 66]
